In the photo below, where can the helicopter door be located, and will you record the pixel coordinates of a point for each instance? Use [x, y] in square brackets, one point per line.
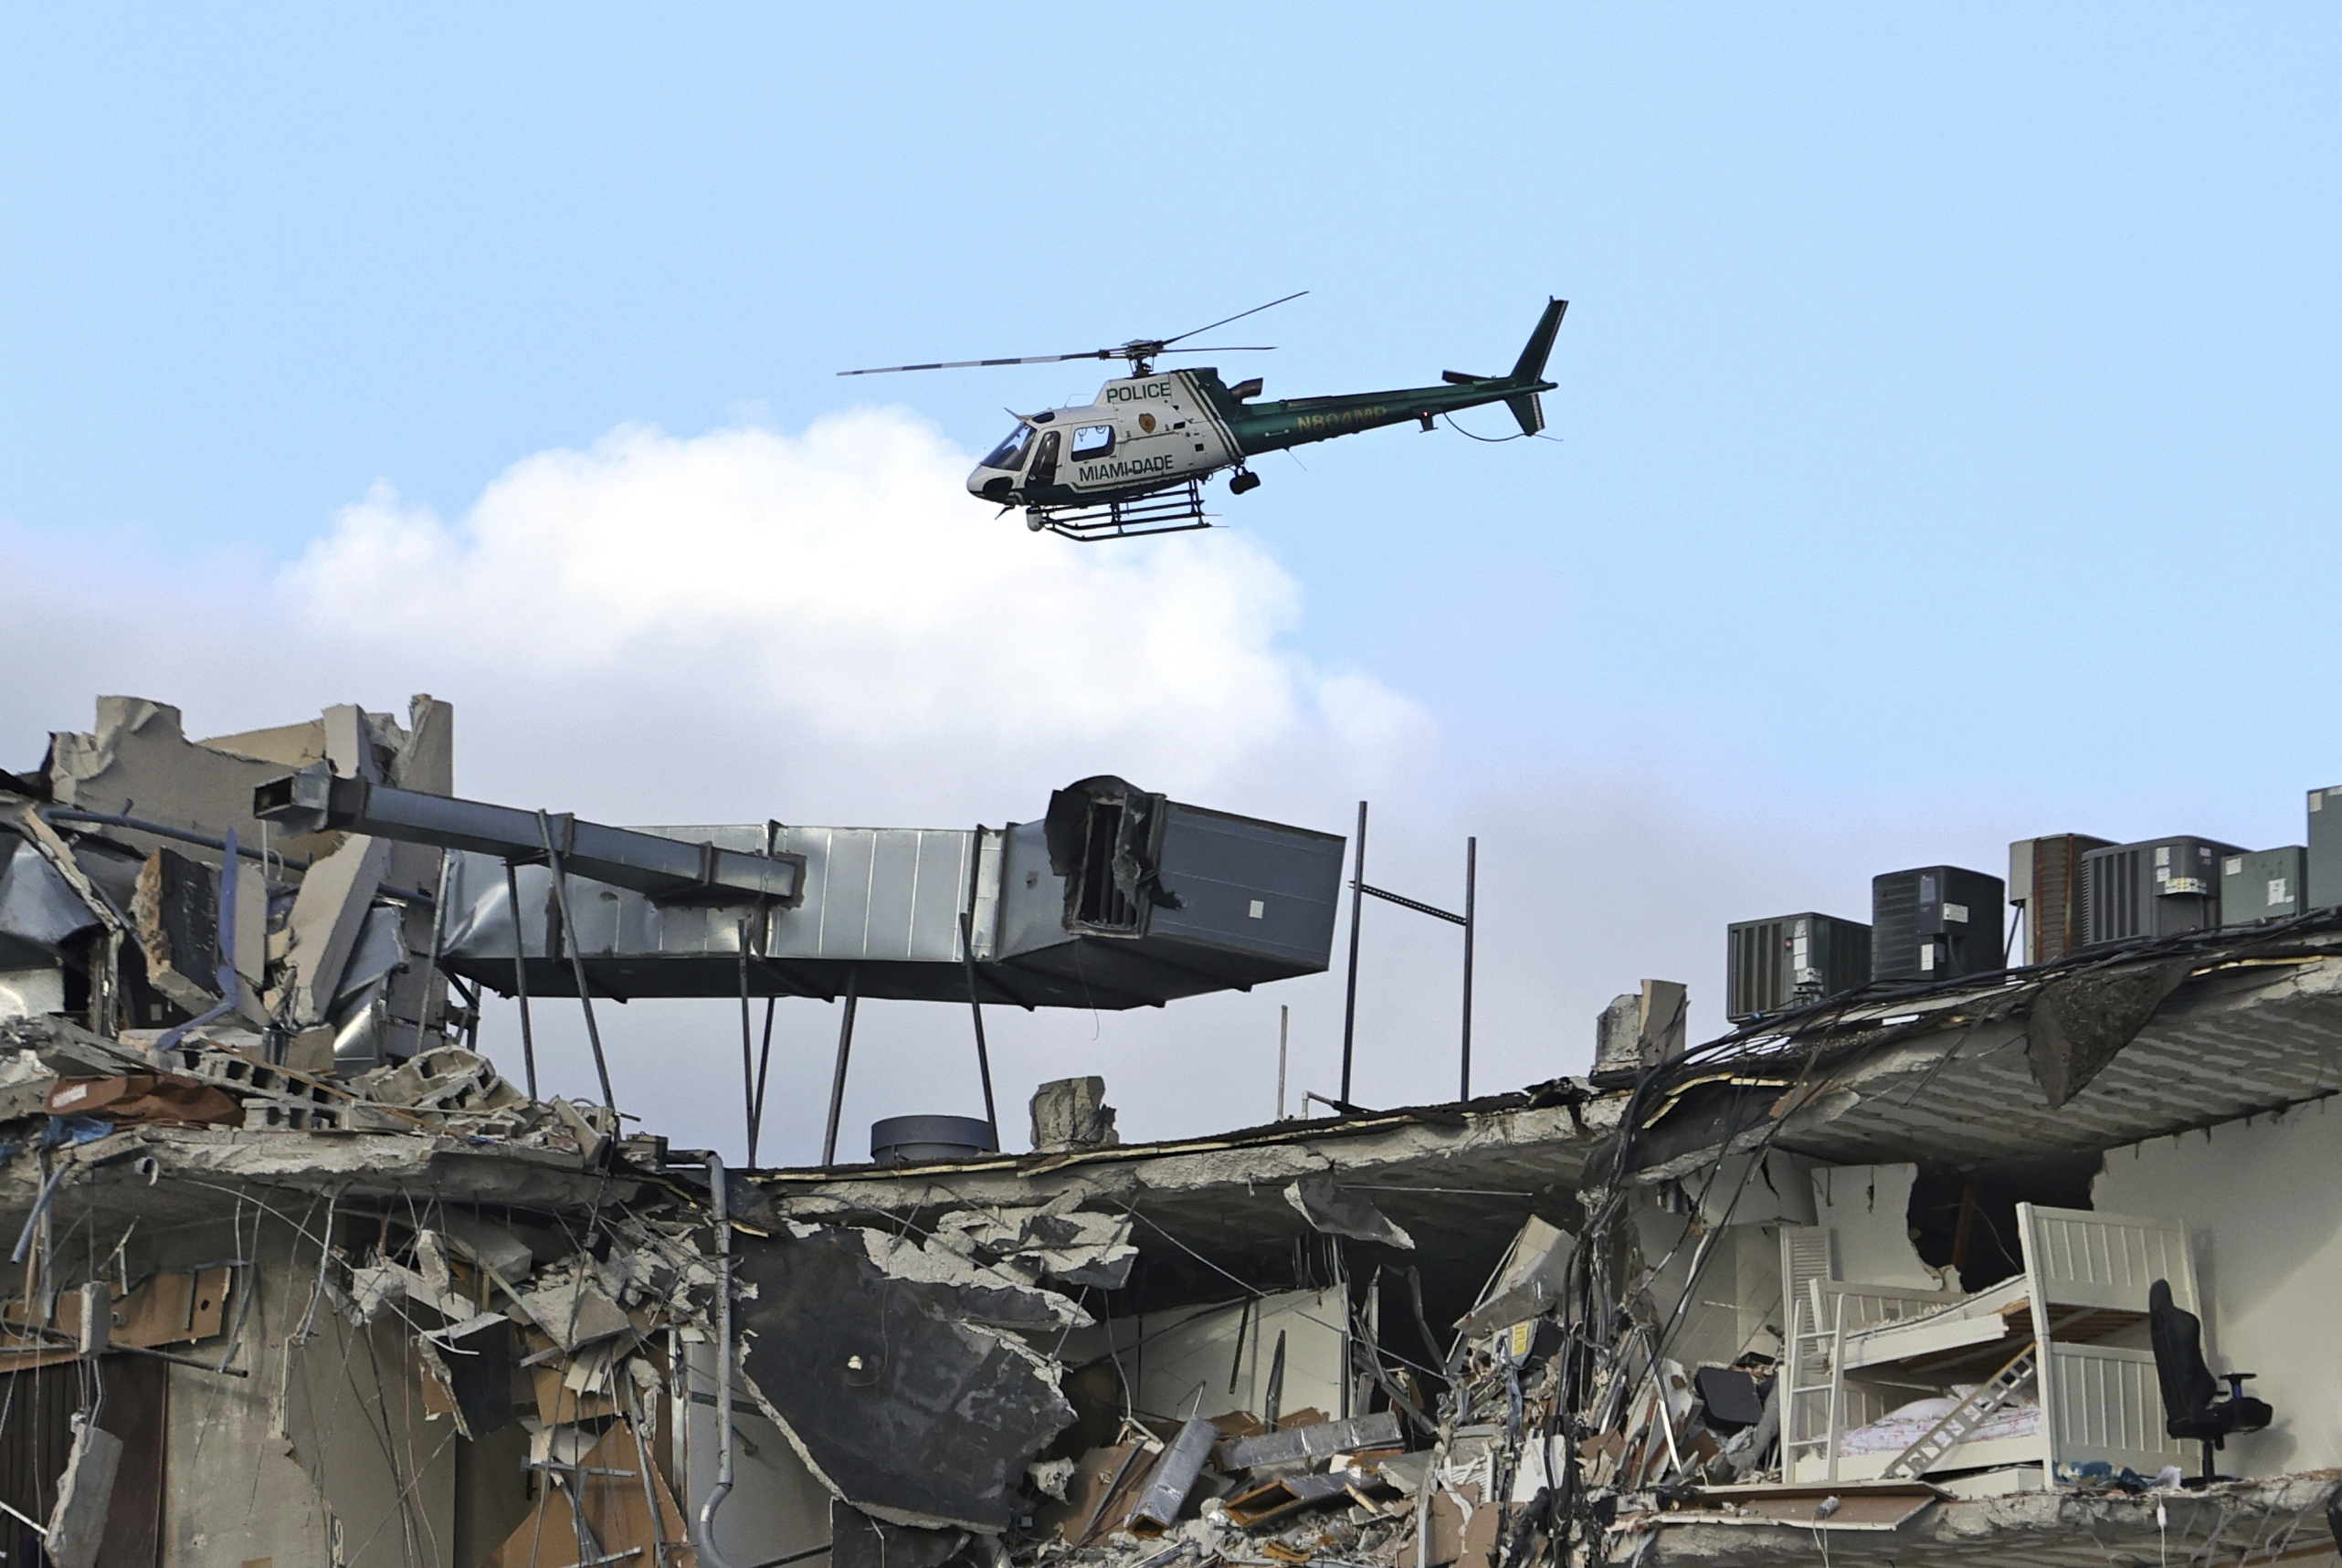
[1044, 469]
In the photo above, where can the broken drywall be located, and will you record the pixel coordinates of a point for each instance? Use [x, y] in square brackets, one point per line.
[1868, 1209]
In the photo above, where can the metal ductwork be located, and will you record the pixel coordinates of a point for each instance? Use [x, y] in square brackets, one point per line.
[314, 800]
[1118, 899]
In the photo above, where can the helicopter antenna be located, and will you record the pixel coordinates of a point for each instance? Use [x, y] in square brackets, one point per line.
[1141, 353]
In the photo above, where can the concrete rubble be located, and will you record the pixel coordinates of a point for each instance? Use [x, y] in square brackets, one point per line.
[300, 1276]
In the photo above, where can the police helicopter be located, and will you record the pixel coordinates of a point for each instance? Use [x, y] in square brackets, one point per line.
[1135, 461]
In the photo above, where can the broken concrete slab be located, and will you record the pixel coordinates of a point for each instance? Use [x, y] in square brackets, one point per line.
[76, 1525]
[1072, 1113]
[574, 1312]
[892, 1398]
[328, 913]
[1643, 1029]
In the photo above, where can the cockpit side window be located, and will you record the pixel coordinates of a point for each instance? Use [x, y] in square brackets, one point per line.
[1093, 440]
[1010, 454]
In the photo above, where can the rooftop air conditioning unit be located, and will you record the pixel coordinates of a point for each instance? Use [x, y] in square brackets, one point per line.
[2157, 888]
[1935, 922]
[2263, 885]
[2324, 871]
[1773, 965]
[2045, 881]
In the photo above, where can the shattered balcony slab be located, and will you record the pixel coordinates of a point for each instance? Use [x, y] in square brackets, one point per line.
[2276, 1521]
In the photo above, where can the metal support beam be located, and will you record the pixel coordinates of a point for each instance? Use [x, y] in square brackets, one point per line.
[576, 958]
[520, 977]
[314, 800]
[838, 1078]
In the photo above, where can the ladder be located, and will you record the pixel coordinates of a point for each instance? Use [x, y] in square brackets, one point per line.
[1816, 1383]
[1967, 1416]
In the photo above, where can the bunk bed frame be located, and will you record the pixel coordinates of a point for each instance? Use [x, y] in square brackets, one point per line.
[2070, 1330]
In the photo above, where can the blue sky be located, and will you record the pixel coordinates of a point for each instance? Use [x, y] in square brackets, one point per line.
[1946, 404]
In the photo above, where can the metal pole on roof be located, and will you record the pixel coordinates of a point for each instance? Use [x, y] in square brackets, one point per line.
[1358, 907]
[1284, 1037]
[748, 1053]
[1472, 886]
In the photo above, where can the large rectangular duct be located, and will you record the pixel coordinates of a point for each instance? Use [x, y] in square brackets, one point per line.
[1177, 902]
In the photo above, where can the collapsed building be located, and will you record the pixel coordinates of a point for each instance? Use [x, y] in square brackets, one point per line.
[1943, 1267]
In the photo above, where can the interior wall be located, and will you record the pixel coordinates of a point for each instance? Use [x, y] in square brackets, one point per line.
[352, 1416]
[1869, 1208]
[235, 1494]
[2262, 1199]
[1734, 1307]
[1190, 1361]
[777, 1509]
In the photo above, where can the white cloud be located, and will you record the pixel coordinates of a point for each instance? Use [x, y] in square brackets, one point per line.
[841, 588]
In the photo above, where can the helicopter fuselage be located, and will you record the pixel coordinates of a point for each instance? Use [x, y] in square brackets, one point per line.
[1150, 433]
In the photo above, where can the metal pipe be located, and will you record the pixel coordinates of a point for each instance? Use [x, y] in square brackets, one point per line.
[983, 1057]
[703, 1524]
[748, 1053]
[1472, 888]
[1284, 1033]
[520, 977]
[838, 1078]
[576, 957]
[163, 830]
[1358, 907]
[764, 1079]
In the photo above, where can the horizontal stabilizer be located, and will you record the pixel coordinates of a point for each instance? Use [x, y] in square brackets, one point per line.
[1459, 378]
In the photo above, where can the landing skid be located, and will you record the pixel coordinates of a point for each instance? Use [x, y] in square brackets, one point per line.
[1165, 511]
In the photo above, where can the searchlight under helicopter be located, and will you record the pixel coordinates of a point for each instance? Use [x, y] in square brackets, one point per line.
[1135, 461]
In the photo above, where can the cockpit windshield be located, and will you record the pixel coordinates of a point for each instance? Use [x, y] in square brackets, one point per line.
[1010, 454]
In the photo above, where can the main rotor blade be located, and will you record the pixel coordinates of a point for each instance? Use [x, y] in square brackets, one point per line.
[1227, 349]
[1238, 316]
[978, 364]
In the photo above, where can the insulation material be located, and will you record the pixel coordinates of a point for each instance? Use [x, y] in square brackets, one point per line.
[1330, 1209]
[39, 907]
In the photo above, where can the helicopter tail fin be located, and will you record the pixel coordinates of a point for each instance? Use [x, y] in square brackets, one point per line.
[1528, 411]
[1532, 365]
